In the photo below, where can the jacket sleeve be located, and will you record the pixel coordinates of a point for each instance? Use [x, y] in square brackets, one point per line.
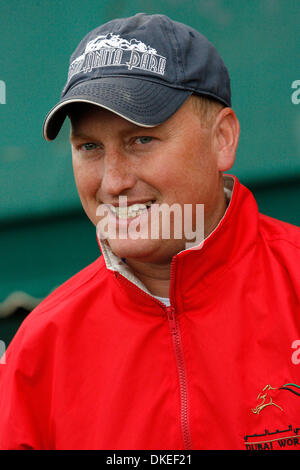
[24, 393]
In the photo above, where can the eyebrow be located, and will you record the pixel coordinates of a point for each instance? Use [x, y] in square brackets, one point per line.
[80, 135]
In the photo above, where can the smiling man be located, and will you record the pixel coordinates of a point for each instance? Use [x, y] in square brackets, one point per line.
[165, 341]
[177, 162]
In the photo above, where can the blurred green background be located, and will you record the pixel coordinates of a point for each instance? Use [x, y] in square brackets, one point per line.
[45, 237]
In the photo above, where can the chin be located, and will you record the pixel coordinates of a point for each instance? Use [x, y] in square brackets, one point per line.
[135, 249]
[146, 251]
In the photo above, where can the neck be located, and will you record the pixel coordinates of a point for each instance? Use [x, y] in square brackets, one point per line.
[156, 277]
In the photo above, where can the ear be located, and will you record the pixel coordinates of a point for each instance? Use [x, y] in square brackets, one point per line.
[226, 131]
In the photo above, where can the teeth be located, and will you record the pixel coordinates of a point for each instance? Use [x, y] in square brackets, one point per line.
[137, 207]
[130, 211]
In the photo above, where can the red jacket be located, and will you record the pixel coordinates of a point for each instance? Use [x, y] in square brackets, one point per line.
[101, 364]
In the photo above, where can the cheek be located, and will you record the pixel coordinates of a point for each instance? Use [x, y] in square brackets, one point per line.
[87, 179]
[87, 183]
[179, 174]
[194, 181]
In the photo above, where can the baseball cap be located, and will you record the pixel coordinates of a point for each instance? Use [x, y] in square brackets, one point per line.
[142, 68]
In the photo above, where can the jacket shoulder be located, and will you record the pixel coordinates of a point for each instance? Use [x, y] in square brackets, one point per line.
[65, 293]
[30, 359]
[273, 230]
[57, 312]
[279, 248]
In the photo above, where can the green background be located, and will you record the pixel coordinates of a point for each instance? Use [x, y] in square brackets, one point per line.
[45, 237]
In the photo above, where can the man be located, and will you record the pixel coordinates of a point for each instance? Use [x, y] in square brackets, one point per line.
[164, 342]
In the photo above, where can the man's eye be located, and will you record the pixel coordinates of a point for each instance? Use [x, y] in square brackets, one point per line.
[89, 146]
[143, 140]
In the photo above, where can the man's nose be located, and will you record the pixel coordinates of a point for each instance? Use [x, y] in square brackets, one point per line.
[118, 175]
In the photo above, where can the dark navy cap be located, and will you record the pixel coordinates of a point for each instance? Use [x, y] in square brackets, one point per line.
[142, 68]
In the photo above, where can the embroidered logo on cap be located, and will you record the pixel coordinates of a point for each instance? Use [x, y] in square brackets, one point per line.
[111, 50]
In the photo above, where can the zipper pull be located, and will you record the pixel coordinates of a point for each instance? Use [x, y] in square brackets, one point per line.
[172, 319]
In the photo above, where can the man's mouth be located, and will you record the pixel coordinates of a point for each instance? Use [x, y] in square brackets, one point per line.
[131, 211]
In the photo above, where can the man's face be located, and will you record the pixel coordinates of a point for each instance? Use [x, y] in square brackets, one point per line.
[172, 163]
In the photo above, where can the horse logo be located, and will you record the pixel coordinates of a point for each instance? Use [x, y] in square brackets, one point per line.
[266, 399]
[114, 40]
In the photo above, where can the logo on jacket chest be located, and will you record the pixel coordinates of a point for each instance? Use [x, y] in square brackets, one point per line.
[274, 439]
[266, 397]
[281, 437]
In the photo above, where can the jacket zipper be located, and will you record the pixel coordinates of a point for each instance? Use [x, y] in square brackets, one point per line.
[184, 409]
[179, 356]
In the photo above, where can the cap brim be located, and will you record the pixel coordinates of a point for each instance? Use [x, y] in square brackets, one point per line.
[141, 102]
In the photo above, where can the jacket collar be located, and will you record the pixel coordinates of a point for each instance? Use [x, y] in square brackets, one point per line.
[232, 238]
